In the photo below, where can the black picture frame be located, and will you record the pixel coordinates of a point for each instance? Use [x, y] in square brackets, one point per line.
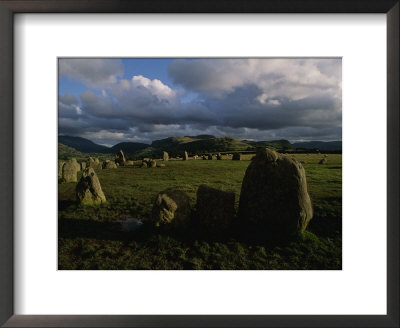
[10, 7]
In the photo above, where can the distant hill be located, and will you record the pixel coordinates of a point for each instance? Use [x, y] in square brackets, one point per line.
[213, 145]
[201, 137]
[65, 152]
[82, 144]
[171, 143]
[86, 146]
[276, 144]
[321, 145]
[128, 147]
[198, 144]
[209, 143]
[192, 144]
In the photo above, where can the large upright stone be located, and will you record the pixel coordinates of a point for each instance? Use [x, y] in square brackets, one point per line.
[219, 157]
[120, 158]
[88, 189]
[274, 197]
[69, 171]
[83, 166]
[165, 156]
[171, 207]
[215, 209]
[60, 167]
[77, 165]
[185, 156]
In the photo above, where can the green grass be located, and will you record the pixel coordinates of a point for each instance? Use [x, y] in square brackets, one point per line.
[88, 238]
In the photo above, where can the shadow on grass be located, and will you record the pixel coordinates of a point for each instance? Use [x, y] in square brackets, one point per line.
[110, 231]
[75, 229]
[63, 204]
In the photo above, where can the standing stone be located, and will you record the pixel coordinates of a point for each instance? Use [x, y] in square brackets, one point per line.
[219, 157]
[93, 163]
[83, 166]
[274, 197]
[88, 189]
[204, 158]
[215, 209]
[165, 156]
[185, 156]
[77, 165]
[144, 164]
[195, 157]
[236, 157]
[60, 167]
[323, 161]
[152, 163]
[107, 164]
[69, 171]
[171, 206]
[120, 158]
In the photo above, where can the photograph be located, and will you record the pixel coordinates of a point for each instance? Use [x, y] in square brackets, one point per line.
[199, 163]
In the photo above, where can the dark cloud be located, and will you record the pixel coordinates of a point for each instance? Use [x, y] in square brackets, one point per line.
[68, 106]
[93, 72]
[259, 99]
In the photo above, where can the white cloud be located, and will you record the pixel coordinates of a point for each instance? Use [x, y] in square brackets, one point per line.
[156, 87]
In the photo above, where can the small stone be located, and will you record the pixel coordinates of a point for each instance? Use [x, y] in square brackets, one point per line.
[107, 164]
[171, 207]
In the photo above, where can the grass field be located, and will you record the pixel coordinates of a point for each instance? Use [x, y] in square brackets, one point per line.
[89, 238]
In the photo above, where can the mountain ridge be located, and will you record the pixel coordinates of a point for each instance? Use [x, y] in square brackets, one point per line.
[192, 144]
[320, 145]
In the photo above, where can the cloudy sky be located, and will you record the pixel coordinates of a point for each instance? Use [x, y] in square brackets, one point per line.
[140, 100]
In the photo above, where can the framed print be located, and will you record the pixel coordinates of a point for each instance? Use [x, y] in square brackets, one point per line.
[161, 224]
